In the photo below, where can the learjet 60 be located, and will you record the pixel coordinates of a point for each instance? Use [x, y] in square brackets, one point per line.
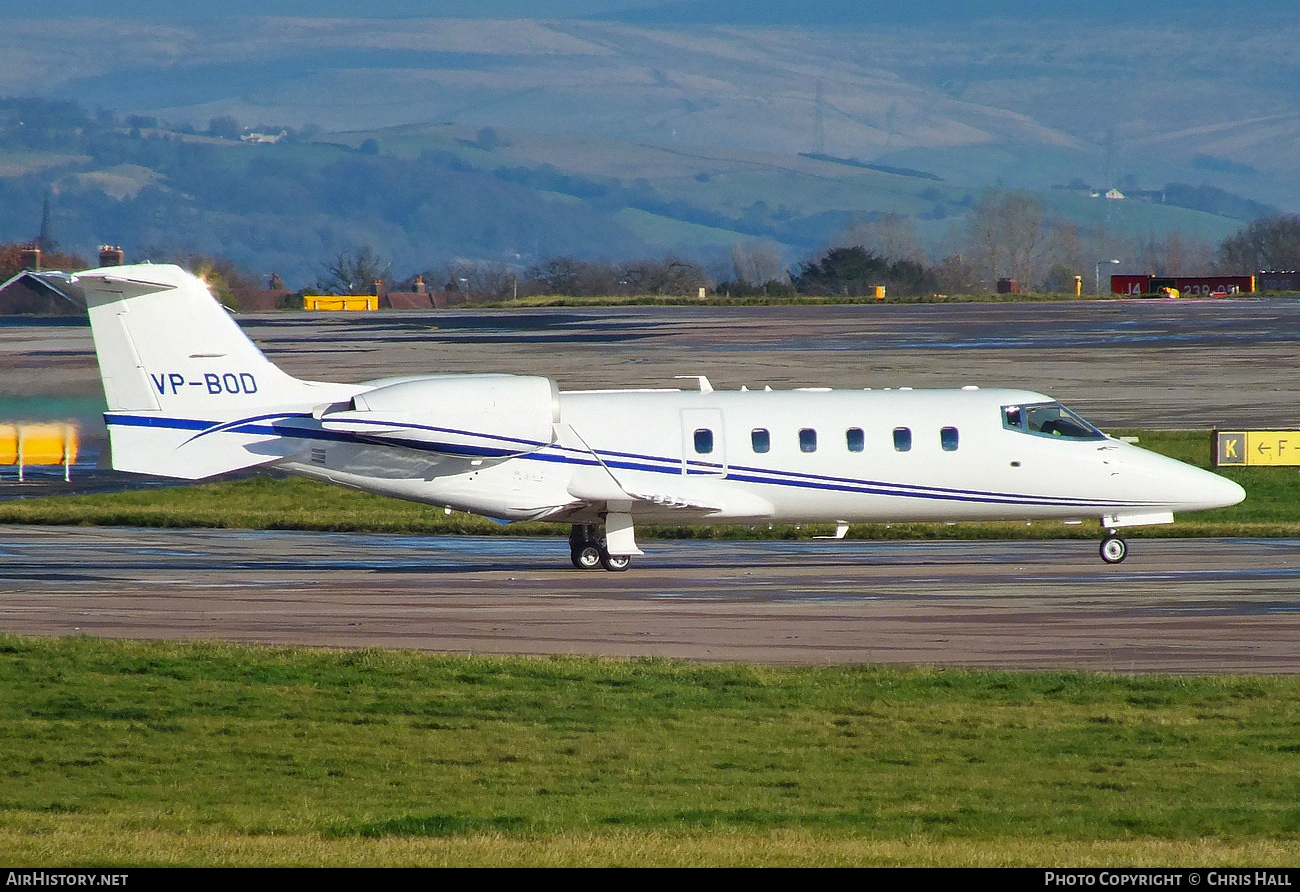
[190, 396]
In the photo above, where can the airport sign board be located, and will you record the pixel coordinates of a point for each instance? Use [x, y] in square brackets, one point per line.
[1257, 448]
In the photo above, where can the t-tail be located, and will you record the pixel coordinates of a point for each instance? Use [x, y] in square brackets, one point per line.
[189, 395]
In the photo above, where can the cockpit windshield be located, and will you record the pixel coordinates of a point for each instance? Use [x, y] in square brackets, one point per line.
[1049, 420]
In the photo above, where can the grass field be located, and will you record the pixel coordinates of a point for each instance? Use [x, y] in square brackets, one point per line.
[128, 753]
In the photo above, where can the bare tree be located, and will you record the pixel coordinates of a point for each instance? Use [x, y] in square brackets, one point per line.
[573, 277]
[670, 275]
[1006, 237]
[481, 280]
[954, 274]
[1173, 255]
[757, 263]
[353, 271]
[557, 275]
[892, 236]
[1271, 243]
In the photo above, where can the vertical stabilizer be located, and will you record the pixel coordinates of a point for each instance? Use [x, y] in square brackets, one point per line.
[165, 344]
[189, 395]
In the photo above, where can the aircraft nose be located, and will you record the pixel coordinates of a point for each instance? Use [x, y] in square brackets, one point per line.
[1225, 492]
[1204, 490]
[1186, 488]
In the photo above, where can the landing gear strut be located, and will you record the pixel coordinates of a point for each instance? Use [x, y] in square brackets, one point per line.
[587, 550]
[1113, 548]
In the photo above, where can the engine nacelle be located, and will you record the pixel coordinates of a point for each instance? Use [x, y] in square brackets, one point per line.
[482, 416]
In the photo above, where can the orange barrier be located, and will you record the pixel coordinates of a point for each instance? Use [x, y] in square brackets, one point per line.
[38, 444]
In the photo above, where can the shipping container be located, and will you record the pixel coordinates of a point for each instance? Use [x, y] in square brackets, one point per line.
[1130, 284]
[1278, 280]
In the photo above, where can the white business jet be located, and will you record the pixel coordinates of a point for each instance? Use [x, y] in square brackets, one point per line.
[190, 396]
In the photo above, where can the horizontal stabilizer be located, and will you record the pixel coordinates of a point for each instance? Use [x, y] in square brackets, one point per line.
[165, 447]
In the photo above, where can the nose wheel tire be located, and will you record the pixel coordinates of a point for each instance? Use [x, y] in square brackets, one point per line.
[1113, 549]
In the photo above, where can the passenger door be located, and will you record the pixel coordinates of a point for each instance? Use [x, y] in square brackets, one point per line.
[704, 446]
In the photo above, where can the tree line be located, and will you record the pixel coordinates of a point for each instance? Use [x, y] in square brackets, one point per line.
[1013, 236]
[1010, 237]
[1006, 236]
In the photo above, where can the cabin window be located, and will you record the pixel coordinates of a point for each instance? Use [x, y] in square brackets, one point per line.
[1049, 420]
[948, 439]
[760, 439]
[703, 441]
[807, 440]
[903, 439]
[854, 439]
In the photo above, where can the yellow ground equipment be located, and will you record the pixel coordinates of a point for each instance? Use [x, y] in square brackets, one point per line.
[26, 444]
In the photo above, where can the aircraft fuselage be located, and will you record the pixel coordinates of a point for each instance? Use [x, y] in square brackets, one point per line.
[804, 455]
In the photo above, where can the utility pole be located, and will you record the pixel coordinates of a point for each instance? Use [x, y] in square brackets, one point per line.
[819, 123]
[46, 240]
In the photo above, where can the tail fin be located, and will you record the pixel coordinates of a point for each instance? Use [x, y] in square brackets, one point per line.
[189, 395]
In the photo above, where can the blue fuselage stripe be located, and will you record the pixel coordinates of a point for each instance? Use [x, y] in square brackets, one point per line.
[272, 425]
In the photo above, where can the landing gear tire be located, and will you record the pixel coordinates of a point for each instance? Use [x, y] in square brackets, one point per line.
[587, 550]
[1113, 549]
[585, 546]
[615, 562]
[585, 557]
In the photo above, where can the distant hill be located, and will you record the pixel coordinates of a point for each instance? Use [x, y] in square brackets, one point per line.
[639, 127]
[821, 13]
[934, 13]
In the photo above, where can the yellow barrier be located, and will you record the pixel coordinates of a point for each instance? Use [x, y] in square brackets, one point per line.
[340, 302]
[38, 444]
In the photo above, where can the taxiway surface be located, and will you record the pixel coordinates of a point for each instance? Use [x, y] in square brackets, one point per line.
[1179, 606]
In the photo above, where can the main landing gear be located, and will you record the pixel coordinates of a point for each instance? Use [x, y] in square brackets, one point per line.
[587, 550]
[1113, 548]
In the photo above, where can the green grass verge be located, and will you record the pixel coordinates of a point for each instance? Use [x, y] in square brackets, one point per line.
[130, 753]
[1271, 509]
